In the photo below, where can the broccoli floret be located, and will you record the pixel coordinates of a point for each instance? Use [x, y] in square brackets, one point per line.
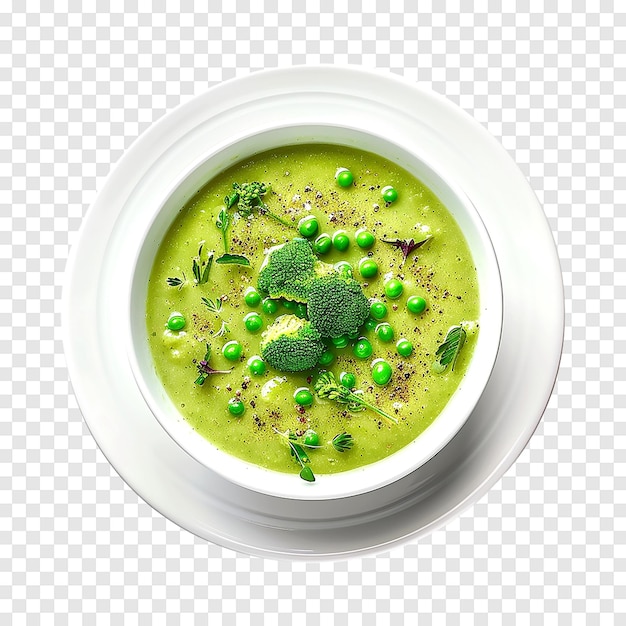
[287, 270]
[336, 305]
[291, 344]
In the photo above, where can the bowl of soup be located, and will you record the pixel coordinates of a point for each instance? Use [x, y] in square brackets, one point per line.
[314, 309]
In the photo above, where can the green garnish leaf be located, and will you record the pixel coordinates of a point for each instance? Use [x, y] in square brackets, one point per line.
[223, 222]
[448, 351]
[231, 201]
[327, 387]
[205, 370]
[215, 306]
[201, 268]
[176, 282]
[306, 473]
[233, 259]
[342, 442]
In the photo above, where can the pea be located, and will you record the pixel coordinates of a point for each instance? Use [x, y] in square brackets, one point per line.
[389, 194]
[323, 244]
[289, 305]
[343, 267]
[326, 358]
[347, 379]
[311, 438]
[300, 310]
[368, 267]
[252, 297]
[362, 348]
[416, 304]
[308, 226]
[303, 396]
[381, 372]
[378, 310]
[404, 347]
[364, 239]
[176, 321]
[340, 240]
[384, 332]
[253, 322]
[344, 177]
[340, 342]
[232, 350]
[236, 407]
[370, 323]
[269, 306]
[393, 288]
[256, 365]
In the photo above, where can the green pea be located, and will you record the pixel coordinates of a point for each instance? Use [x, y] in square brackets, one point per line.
[308, 226]
[347, 379]
[416, 304]
[300, 310]
[269, 306]
[252, 297]
[381, 372]
[326, 358]
[303, 396]
[370, 324]
[340, 342]
[364, 239]
[389, 194]
[236, 407]
[368, 267]
[384, 332]
[253, 322]
[323, 244]
[341, 241]
[344, 177]
[256, 365]
[378, 310]
[404, 347]
[176, 321]
[232, 350]
[362, 348]
[311, 438]
[343, 267]
[393, 288]
[289, 304]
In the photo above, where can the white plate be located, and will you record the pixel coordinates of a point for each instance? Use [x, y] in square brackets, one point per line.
[492, 438]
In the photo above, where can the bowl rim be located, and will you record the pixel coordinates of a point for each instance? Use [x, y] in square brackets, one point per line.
[287, 485]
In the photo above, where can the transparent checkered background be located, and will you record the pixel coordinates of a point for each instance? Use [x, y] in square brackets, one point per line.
[545, 545]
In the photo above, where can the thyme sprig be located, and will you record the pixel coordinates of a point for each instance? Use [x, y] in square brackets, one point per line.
[174, 281]
[327, 387]
[200, 267]
[342, 442]
[215, 306]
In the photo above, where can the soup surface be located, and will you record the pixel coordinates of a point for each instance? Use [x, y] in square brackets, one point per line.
[303, 182]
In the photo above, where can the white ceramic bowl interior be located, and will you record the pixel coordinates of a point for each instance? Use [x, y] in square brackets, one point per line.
[448, 423]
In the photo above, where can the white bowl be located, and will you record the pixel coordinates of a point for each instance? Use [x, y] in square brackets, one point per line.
[319, 126]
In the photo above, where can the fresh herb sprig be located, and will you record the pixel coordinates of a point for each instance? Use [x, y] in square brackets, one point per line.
[406, 246]
[215, 306]
[222, 223]
[205, 370]
[248, 197]
[233, 259]
[342, 442]
[299, 454]
[201, 268]
[448, 351]
[174, 281]
[327, 387]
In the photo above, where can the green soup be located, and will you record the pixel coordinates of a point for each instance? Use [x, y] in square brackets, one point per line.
[303, 183]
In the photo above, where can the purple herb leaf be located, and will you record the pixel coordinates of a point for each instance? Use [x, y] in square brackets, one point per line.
[406, 246]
